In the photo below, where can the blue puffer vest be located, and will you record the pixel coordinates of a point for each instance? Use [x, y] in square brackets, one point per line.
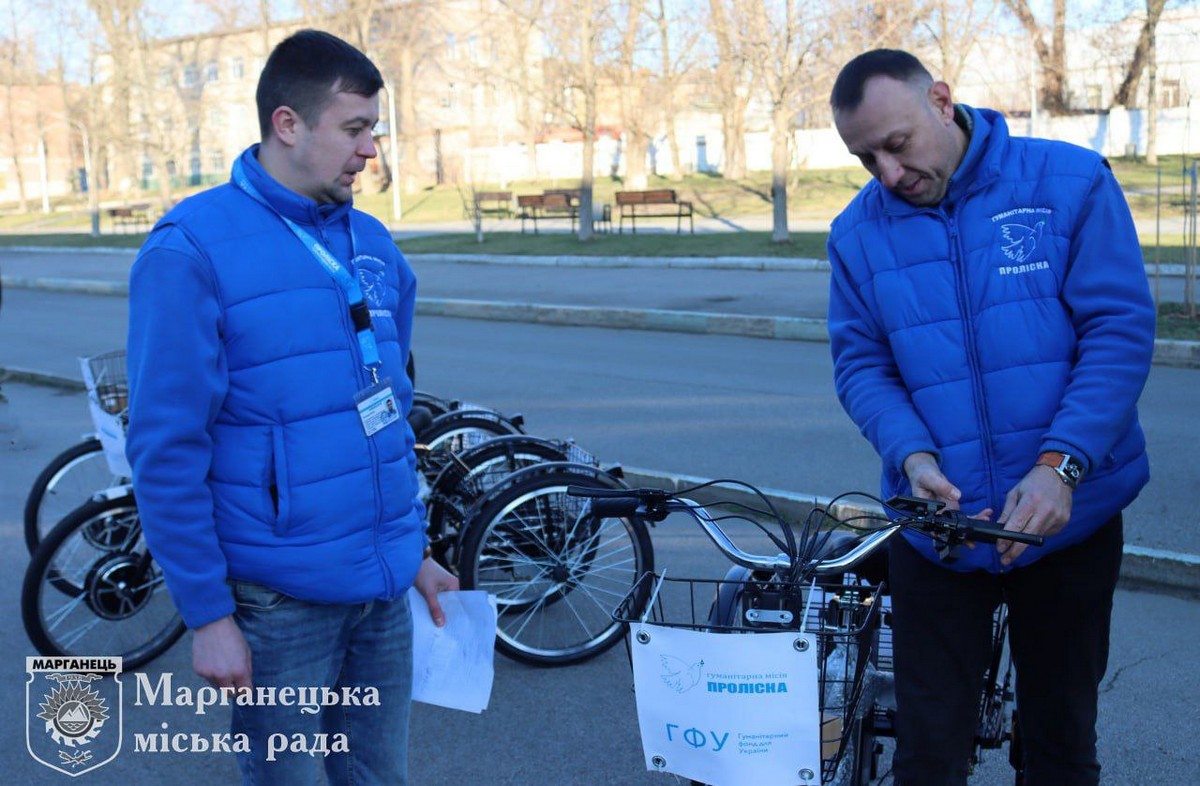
[250, 460]
[1011, 319]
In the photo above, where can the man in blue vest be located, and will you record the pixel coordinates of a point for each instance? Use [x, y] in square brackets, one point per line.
[992, 329]
[270, 324]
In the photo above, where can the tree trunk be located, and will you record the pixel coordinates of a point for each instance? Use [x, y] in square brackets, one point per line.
[14, 149]
[1126, 94]
[733, 125]
[410, 177]
[588, 56]
[1053, 58]
[1152, 101]
[780, 158]
[636, 149]
[667, 77]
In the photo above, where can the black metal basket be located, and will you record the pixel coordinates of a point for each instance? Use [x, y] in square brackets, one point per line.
[842, 617]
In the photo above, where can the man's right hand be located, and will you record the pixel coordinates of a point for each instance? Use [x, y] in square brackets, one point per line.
[220, 654]
[927, 480]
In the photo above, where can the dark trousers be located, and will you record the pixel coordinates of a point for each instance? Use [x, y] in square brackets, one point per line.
[1060, 608]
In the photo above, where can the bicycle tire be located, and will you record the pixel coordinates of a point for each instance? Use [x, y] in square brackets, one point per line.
[74, 471]
[102, 586]
[460, 430]
[548, 560]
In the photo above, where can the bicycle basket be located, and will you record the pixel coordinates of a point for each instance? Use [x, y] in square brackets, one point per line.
[109, 381]
[841, 619]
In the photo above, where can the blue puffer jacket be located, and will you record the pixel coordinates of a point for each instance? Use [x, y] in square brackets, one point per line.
[1011, 319]
[249, 458]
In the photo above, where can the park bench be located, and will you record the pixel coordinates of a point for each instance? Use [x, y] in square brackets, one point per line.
[542, 207]
[663, 203]
[131, 218]
[560, 203]
[493, 203]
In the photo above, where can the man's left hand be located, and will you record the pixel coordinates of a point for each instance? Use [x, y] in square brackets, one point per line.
[1039, 505]
[431, 579]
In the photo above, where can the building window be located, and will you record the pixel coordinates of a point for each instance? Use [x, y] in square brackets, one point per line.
[1169, 94]
[448, 98]
[451, 46]
[191, 75]
[216, 161]
[1093, 95]
[237, 69]
[211, 72]
[164, 77]
[215, 119]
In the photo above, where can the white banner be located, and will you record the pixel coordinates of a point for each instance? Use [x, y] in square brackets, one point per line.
[726, 708]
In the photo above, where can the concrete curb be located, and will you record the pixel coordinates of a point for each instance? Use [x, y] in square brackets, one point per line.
[792, 264]
[1179, 354]
[792, 328]
[42, 378]
[1152, 568]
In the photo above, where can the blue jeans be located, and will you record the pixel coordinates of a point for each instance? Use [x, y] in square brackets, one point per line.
[308, 645]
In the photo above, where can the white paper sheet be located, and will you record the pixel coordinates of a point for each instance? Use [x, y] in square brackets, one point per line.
[453, 665]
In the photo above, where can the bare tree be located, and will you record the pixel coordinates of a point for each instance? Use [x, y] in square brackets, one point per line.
[13, 67]
[954, 28]
[1052, 57]
[518, 67]
[632, 89]
[731, 78]
[1126, 94]
[789, 43]
[674, 65]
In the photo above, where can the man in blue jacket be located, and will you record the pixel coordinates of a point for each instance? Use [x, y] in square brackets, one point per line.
[991, 328]
[270, 323]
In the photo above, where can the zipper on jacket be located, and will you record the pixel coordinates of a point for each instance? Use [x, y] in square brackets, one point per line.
[958, 260]
[365, 380]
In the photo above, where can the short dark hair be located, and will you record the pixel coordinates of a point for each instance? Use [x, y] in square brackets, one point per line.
[305, 70]
[895, 63]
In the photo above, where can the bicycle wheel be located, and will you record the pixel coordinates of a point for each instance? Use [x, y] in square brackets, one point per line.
[557, 570]
[90, 595]
[69, 480]
[471, 474]
[459, 430]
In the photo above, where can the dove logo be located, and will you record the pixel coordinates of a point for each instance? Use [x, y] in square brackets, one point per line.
[1020, 241]
[678, 675]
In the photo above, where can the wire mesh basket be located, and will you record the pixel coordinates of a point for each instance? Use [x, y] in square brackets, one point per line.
[110, 381]
[843, 618]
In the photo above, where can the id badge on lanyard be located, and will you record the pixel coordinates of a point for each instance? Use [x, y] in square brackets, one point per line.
[377, 407]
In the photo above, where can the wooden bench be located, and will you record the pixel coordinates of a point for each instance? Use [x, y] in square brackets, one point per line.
[131, 218]
[663, 203]
[542, 207]
[493, 203]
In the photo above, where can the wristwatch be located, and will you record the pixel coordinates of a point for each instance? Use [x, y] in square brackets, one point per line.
[1069, 469]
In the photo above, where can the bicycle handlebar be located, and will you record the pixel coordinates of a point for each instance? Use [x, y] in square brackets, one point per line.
[946, 527]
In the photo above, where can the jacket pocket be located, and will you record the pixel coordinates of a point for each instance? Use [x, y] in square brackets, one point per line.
[280, 498]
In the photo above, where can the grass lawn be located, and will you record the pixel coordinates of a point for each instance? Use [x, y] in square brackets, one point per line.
[72, 240]
[1176, 322]
[725, 244]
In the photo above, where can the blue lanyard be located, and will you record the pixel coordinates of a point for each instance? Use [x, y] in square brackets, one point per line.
[360, 313]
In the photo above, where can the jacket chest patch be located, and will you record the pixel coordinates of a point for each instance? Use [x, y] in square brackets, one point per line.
[371, 279]
[1020, 240]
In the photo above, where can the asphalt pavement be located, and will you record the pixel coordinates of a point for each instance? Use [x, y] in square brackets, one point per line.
[573, 726]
